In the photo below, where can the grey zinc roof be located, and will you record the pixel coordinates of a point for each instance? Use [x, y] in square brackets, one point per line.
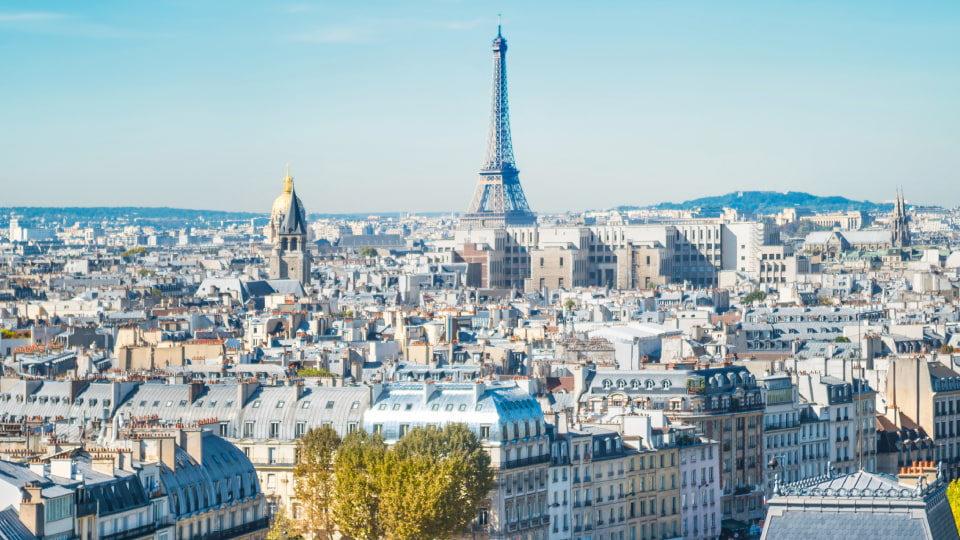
[11, 528]
[293, 221]
[476, 405]
[316, 405]
[226, 473]
[339, 406]
[859, 505]
[843, 526]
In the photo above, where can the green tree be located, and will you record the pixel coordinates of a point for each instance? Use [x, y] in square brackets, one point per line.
[435, 480]
[824, 301]
[356, 500]
[953, 496]
[947, 349]
[314, 372]
[841, 339]
[282, 527]
[755, 296]
[133, 252]
[314, 487]
[367, 251]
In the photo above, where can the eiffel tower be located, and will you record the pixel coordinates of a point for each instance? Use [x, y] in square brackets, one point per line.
[498, 200]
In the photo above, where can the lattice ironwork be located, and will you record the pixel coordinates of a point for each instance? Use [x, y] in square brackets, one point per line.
[498, 199]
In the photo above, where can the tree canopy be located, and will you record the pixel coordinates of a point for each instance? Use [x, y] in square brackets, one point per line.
[356, 501]
[428, 485]
[953, 496]
[314, 487]
[436, 480]
[282, 527]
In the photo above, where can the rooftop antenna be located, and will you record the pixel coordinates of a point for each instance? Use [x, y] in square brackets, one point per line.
[498, 25]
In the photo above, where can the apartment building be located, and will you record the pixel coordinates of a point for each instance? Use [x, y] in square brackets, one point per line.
[511, 427]
[723, 403]
[781, 430]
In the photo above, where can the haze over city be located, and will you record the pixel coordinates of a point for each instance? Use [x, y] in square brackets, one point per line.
[383, 106]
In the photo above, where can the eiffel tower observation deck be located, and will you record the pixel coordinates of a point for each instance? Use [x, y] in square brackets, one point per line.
[498, 200]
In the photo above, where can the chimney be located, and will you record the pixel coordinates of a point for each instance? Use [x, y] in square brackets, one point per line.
[429, 389]
[166, 448]
[563, 425]
[38, 467]
[196, 388]
[125, 458]
[579, 381]
[245, 389]
[102, 464]
[62, 467]
[191, 440]
[76, 386]
[376, 390]
[479, 389]
[31, 510]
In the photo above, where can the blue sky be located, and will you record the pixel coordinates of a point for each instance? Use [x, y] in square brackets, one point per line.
[382, 105]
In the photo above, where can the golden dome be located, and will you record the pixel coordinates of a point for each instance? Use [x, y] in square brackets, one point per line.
[282, 203]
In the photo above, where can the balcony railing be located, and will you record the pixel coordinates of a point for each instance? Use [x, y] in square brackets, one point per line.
[130, 533]
[233, 532]
[523, 462]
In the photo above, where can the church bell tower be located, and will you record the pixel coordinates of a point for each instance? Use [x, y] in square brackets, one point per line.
[287, 231]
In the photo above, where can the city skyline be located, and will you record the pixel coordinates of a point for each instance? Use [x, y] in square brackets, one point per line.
[384, 108]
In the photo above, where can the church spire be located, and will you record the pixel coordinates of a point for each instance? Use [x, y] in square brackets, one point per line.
[899, 222]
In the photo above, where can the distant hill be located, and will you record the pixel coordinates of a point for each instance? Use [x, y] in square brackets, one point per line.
[770, 202]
